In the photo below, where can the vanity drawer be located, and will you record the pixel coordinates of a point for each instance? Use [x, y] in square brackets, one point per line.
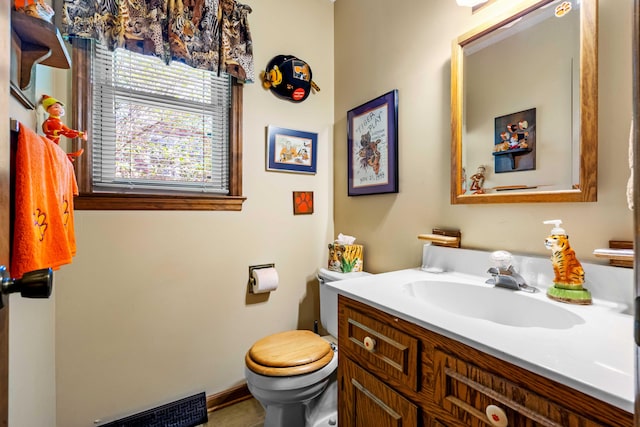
[368, 337]
[466, 391]
[367, 401]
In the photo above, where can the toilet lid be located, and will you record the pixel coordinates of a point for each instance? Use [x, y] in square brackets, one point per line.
[289, 353]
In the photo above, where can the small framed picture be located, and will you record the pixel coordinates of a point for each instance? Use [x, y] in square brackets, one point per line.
[372, 141]
[302, 202]
[514, 146]
[291, 150]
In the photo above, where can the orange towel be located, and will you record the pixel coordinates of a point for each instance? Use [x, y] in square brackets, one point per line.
[43, 234]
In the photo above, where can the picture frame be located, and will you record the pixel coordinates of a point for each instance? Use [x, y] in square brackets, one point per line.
[372, 146]
[514, 142]
[291, 150]
[303, 202]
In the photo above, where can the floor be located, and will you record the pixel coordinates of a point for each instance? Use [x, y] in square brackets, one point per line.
[248, 413]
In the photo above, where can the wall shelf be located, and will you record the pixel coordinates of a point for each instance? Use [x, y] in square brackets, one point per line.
[33, 41]
[512, 153]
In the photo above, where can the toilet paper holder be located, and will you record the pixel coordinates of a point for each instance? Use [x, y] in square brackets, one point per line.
[257, 267]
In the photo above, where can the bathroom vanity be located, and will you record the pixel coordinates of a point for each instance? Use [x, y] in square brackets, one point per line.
[407, 358]
[415, 377]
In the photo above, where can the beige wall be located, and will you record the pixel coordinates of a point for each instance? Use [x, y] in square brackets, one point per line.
[154, 306]
[408, 47]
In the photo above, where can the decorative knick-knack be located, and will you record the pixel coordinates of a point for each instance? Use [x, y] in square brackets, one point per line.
[477, 181]
[53, 127]
[569, 274]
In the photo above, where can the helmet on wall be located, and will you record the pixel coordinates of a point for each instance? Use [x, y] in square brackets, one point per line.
[289, 78]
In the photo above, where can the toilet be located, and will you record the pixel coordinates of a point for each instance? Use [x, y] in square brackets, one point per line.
[293, 373]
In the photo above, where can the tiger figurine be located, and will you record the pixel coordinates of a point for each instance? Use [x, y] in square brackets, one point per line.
[345, 258]
[569, 273]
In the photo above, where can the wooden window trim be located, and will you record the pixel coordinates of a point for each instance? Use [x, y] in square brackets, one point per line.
[81, 119]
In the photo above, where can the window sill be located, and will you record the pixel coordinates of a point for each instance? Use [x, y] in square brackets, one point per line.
[157, 203]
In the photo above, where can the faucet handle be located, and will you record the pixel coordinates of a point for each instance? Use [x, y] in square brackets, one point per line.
[501, 259]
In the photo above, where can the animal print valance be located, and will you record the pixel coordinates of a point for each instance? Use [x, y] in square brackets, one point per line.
[208, 34]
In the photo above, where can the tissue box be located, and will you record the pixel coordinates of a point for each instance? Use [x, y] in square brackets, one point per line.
[345, 258]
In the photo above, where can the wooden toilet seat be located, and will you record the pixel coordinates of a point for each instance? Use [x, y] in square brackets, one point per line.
[289, 353]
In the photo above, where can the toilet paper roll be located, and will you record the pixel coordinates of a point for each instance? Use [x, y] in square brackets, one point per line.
[264, 280]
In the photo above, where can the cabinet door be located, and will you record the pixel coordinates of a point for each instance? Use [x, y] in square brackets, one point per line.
[479, 398]
[365, 401]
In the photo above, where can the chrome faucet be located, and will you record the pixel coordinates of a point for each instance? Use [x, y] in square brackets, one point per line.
[505, 276]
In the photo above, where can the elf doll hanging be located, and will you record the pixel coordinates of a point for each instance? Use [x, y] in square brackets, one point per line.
[53, 127]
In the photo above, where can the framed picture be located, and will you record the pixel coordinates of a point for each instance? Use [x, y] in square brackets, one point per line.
[302, 202]
[372, 145]
[291, 150]
[514, 142]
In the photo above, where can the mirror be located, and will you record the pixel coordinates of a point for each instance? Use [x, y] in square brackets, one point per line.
[524, 106]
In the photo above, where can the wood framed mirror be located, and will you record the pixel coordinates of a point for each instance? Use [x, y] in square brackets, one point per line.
[524, 105]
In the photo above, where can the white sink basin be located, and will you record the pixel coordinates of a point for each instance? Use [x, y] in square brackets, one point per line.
[498, 305]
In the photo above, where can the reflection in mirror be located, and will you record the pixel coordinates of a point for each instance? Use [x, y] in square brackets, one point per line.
[524, 106]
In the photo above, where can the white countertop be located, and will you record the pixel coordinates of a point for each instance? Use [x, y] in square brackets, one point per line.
[595, 357]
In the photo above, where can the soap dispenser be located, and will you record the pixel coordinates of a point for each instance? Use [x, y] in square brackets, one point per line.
[569, 274]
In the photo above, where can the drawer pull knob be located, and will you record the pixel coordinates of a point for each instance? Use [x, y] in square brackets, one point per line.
[496, 416]
[369, 343]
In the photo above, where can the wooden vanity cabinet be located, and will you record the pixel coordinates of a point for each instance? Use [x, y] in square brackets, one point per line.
[394, 373]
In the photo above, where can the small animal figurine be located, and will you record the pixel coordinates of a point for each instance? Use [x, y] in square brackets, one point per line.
[513, 141]
[477, 181]
[569, 274]
[504, 145]
[53, 127]
[568, 270]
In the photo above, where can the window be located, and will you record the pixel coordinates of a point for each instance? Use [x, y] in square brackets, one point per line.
[160, 137]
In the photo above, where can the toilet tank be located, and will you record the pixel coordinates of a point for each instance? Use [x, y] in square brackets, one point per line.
[329, 297]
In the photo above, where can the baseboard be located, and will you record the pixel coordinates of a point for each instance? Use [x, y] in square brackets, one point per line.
[228, 397]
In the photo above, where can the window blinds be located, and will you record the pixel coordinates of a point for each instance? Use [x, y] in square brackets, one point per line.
[158, 128]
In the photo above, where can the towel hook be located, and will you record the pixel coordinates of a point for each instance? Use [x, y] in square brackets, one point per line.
[34, 284]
